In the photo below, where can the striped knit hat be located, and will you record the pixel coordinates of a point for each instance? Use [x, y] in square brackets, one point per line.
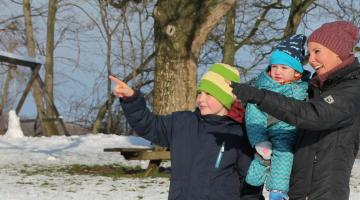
[216, 82]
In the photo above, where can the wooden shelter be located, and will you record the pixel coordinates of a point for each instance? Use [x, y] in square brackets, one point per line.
[35, 66]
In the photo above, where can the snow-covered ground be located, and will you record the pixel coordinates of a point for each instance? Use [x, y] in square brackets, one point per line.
[29, 153]
[20, 154]
[26, 153]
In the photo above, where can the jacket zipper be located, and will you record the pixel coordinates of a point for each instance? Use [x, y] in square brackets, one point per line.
[220, 155]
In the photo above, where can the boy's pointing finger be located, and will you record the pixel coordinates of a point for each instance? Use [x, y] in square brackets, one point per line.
[116, 80]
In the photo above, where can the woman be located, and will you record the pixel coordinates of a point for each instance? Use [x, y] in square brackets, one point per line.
[329, 122]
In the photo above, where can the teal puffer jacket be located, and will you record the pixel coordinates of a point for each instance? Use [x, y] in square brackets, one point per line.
[259, 125]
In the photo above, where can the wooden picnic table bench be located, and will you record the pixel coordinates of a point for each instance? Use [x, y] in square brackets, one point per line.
[141, 153]
[155, 155]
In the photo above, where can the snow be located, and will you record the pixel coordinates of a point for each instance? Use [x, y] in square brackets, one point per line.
[28, 153]
[25, 153]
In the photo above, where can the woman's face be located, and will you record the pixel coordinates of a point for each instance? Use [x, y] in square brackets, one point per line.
[321, 58]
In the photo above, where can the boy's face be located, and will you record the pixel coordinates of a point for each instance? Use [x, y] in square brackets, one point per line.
[209, 105]
[282, 73]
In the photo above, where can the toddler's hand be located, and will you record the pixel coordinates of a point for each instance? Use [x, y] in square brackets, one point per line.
[121, 89]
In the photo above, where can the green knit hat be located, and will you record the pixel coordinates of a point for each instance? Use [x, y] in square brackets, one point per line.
[216, 82]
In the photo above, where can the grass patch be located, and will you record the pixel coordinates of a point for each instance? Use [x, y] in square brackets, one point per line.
[40, 170]
[112, 171]
[24, 183]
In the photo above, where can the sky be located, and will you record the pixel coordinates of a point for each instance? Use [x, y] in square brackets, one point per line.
[19, 153]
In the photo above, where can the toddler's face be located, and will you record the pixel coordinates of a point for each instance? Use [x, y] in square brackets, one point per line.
[282, 73]
[209, 105]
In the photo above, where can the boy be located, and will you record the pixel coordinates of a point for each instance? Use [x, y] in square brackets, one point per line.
[210, 154]
[273, 139]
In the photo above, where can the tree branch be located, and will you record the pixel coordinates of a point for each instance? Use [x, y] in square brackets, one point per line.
[213, 18]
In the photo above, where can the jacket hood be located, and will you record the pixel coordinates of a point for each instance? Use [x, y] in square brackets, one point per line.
[349, 72]
[220, 124]
[296, 89]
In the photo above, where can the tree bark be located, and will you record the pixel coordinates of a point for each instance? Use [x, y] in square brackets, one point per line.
[49, 65]
[49, 62]
[5, 89]
[297, 12]
[9, 76]
[101, 114]
[181, 28]
[229, 48]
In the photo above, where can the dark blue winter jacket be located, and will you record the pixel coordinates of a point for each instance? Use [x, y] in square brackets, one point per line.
[195, 143]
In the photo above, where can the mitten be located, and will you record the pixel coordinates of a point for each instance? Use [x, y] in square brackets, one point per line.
[246, 93]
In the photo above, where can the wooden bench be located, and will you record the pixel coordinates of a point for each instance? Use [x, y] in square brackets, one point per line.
[153, 154]
[141, 153]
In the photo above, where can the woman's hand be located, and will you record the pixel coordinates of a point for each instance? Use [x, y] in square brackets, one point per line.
[246, 93]
[121, 89]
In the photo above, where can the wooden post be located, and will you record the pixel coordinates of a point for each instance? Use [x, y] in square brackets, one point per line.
[34, 73]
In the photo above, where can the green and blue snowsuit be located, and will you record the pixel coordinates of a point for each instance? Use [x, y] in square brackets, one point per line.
[262, 127]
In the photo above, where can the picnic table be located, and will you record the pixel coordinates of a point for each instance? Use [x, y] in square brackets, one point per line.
[141, 153]
[154, 154]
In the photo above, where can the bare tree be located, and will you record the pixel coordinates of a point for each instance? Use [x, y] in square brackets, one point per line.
[31, 48]
[181, 29]
[131, 61]
[50, 47]
[107, 34]
[10, 43]
[258, 26]
[46, 112]
[179, 37]
[229, 48]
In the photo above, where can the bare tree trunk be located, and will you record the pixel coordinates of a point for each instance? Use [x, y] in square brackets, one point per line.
[107, 36]
[181, 28]
[110, 98]
[49, 62]
[297, 12]
[5, 89]
[31, 51]
[108, 39]
[101, 114]
[229, 48]
[47, 127]
[9, 76]
[49, 65]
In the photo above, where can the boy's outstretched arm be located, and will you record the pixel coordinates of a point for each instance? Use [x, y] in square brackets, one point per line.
[121, 89]
[146, 124]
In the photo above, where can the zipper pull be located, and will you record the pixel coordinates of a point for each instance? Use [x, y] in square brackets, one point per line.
[219, 157]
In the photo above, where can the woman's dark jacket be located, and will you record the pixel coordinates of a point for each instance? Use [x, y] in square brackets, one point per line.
[328, 135]
[195, 142]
